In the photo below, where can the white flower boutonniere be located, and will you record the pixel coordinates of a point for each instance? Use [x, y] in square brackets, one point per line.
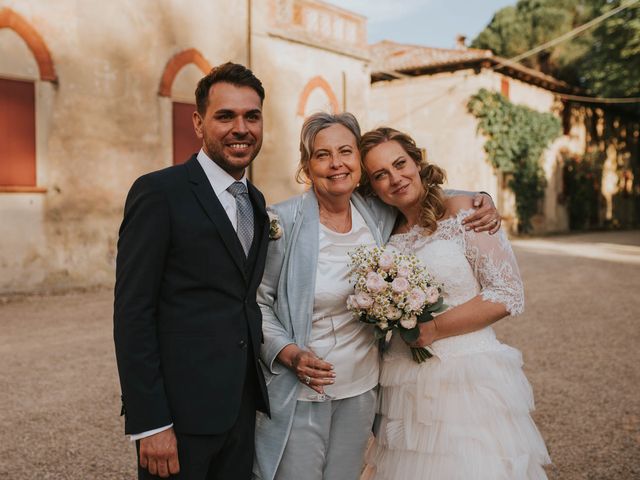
[275, 230]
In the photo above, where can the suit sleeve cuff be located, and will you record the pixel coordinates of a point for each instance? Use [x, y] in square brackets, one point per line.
[271, 349]
[148, 433]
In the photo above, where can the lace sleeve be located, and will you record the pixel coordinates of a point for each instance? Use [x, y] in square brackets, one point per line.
[495, 268]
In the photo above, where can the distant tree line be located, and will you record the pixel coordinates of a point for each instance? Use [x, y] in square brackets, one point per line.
[604, 60]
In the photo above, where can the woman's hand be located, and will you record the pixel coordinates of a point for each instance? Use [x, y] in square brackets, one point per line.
[485, 218]
[310, 370]
[428, 335]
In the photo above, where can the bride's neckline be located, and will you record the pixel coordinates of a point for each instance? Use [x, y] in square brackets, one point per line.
[416, 228]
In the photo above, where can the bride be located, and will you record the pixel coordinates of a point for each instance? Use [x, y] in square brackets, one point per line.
[464, 413]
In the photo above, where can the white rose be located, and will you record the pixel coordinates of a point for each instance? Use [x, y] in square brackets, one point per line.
[363, 300]
[409, 321]
[432, 295]
[400, 284]
[386, 261]
[393, 313]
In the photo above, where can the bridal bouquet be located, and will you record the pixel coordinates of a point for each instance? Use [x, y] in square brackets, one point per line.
[393, 290]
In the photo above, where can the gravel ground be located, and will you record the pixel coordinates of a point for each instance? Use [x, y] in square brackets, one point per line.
[59, 404]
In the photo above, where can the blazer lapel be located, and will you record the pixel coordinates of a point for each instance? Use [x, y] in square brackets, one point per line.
[302, 266]
[374, 225]
[211, 204]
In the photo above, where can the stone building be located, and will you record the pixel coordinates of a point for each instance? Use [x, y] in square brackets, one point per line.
[94, 94]
[425, 91]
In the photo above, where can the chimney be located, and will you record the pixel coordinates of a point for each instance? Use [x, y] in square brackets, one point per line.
[460, 42]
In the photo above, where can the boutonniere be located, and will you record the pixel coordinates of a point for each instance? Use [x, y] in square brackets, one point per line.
[275, 229]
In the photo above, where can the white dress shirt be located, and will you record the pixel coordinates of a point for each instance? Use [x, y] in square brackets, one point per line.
[220, 181]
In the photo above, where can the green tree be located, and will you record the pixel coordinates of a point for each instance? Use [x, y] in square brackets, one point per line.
[516, 137]
[603, 60]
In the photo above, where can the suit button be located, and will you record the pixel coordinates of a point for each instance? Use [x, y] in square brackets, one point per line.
[242, 344]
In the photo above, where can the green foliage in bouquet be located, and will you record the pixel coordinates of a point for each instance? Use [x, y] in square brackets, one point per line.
[410, 335]
[516, 137]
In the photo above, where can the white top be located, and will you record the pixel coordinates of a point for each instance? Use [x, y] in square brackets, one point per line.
[220, 181]
[355, 354]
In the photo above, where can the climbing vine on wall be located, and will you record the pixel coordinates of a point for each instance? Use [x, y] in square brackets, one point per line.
[516, 137]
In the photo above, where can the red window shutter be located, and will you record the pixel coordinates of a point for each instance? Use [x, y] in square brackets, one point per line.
[17, 133]
[504, 87]
[185, 141]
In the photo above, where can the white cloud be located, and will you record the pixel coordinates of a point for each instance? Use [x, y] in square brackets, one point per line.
[382, 11]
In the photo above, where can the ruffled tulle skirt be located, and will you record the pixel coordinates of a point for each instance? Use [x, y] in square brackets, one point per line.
[462, 415]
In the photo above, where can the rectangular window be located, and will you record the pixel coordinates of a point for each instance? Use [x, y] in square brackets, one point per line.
[17, 133]
[185, 141]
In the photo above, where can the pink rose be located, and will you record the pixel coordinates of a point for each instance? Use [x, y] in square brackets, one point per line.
[363, 299]
[416, 298]
[375, 282]
[400, 284]
[404, 270]
[386, 261]
[409, 321]
[432, 294]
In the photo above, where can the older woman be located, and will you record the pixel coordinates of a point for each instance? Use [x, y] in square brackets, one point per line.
[303, 301]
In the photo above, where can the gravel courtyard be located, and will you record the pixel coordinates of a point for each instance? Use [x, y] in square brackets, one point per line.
[580, 335]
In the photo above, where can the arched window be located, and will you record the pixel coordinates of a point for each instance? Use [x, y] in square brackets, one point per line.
[22, 69]
[183, 68]
[317, 95]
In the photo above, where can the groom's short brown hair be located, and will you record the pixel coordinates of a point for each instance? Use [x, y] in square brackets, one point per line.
[232, 73]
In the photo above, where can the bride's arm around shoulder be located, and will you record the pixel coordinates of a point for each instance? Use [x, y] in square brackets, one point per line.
[492, 259]
[494, 267]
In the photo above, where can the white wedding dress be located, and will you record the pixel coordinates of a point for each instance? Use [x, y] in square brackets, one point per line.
[463, 414]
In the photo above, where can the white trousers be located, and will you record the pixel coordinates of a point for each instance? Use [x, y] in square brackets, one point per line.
[328, 439]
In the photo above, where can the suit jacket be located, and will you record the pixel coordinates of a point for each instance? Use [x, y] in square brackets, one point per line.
[186, 321]
[286, 298]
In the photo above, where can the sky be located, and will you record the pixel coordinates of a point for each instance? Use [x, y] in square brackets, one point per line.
[433, 23]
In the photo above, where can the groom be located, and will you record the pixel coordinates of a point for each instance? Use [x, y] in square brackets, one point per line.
[187, 327]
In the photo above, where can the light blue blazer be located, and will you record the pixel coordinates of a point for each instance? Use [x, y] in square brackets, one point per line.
[286, 298]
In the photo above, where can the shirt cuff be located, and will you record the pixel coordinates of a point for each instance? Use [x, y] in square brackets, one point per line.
[148, 433]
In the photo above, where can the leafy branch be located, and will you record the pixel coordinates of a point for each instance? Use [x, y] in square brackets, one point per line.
[516, 137]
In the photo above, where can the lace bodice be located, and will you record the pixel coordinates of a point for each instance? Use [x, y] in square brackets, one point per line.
[467, 263]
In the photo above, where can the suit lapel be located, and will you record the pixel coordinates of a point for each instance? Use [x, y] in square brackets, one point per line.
[211, 204]
[260, 229]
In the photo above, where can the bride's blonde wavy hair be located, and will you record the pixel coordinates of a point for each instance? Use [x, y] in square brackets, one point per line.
[432, 176]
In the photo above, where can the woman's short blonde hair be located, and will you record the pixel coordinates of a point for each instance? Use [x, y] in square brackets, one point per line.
[310, 129]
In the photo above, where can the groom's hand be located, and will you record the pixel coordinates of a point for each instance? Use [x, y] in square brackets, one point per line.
[159, 453]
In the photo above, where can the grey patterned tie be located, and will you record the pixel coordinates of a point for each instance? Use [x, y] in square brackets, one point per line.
[244, 214]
